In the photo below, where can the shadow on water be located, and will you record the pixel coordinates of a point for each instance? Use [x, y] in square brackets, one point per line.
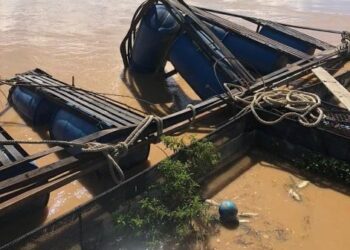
[230, 224]
[154, 92]
[20, 222]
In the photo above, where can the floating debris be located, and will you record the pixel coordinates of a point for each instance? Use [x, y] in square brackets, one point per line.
[295, 186]
[303, 184]
[247, 214]
[212, 202]
[244, 221]
[294, 194]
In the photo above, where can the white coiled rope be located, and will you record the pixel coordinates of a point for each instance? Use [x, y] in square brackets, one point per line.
[303, 106]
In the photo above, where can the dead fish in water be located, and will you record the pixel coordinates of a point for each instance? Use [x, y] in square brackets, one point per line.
[212, 202]
[294, 194]
[243, 221]
[299, 185]
[295, 186]
[247, 214]
[302, 184]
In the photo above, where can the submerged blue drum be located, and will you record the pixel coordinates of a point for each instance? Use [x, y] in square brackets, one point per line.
[34, 108]
[195, 67]
[69, 126]
[157, 30]
[256, 56]
[286, 39]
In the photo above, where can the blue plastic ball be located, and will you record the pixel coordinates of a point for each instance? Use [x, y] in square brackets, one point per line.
[228, 211]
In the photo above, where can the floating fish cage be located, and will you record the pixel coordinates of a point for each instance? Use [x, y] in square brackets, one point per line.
[69, 114]
[223, 62]
[233, 140]
[198, 43]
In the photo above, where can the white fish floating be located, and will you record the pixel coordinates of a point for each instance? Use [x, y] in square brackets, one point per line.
[243, 221]
[294, 194]
[302, 184]
[247, 214]
[212, 202]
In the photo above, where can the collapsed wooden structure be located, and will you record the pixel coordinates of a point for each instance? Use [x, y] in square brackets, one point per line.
[114, 121]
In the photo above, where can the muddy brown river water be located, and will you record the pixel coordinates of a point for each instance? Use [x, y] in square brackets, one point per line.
[318, 219]
[82, 38]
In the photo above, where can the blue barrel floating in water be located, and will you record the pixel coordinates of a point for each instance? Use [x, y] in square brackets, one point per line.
[288, 40]
[33, 107]
[258, 57]
[195, 68]
[69, 126]
[153, 39]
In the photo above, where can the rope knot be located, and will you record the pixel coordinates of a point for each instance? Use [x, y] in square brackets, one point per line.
[345, 46]
[160, 125]
[120, 150]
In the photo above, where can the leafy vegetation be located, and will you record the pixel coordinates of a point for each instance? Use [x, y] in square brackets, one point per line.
[172, 210]
[329, 168]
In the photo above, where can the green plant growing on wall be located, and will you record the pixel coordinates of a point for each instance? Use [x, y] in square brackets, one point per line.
[172, 210]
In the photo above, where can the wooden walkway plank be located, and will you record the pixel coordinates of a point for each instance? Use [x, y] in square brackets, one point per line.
[11, 149]
[49, 186]
[338, 90]
[80, 104]
[105, 101]
[92, 137]
[4, 160]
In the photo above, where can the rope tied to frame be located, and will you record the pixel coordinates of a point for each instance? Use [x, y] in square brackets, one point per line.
[160, 126]
[303, 106]
[345, 46]
[194, 113]
[112, 152]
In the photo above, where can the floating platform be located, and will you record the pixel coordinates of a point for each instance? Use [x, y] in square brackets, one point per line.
[71, 113]
[241, 137]
[202, 47]
[107, 112]
[208, 50]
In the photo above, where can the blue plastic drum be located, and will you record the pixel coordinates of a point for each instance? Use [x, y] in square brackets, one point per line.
[255, 56]
[157, 30]
[34, 108]
[195, 68]
[69, 126]
[286, 39]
